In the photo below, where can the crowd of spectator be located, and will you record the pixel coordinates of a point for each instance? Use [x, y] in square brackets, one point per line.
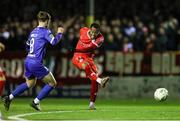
[126, 26]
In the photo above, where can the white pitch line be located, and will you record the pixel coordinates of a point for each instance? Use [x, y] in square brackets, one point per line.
[19, 116]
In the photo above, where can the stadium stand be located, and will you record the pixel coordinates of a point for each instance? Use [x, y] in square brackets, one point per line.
[128, 26]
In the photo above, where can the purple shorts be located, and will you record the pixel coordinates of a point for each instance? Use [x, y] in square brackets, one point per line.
[35, 69]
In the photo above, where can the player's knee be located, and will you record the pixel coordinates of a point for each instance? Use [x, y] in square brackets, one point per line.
[53, 83]
[30, 84]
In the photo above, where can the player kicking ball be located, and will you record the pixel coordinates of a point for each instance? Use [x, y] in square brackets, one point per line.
[34, 68]
[90, 39]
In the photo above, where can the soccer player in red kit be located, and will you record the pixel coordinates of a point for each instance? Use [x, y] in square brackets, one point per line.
[90, 39]
[2, 76]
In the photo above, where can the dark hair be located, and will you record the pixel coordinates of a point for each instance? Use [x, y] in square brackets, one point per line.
[95, 25]
[43, 16]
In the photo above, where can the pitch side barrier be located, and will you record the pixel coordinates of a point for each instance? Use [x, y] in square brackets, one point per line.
[72, 82]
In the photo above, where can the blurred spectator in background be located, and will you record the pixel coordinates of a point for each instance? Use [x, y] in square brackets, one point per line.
[127, 45]
[162, 39]
[127, 26]
[110, 43]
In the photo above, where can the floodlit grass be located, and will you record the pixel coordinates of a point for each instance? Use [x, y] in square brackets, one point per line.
[77, 109]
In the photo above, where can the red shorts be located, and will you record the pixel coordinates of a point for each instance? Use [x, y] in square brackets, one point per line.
[79, 59]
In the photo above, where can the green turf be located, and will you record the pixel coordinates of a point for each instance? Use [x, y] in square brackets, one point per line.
[76, 109]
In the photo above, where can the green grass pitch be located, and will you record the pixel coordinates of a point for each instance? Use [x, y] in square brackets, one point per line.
[77, 109]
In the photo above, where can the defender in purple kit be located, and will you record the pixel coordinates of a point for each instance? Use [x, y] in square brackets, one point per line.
[34, 68]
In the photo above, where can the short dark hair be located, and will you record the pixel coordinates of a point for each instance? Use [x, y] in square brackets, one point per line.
[43, 16]
[95, 25]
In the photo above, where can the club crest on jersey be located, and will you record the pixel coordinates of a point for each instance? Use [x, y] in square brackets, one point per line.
[51, 36]
[80, 59]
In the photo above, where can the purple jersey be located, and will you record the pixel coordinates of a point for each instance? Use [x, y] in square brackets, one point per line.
[36, 44]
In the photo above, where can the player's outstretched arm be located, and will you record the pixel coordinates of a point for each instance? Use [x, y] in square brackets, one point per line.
[93, 45]
[87, 49]
[54, 40]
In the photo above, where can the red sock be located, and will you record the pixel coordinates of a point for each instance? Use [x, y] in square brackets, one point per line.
[90, 73]
[1, 86]
[94, 85]
[2, 82]
[94, 90]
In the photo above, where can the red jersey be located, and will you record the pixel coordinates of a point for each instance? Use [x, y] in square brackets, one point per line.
[85, 44]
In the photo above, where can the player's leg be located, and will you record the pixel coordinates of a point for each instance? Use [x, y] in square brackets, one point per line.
[50, 84]
[93, 94]
[2, 81]
[82, 63]
[1, 87]
[92, 74]
[19, 90]
[90, 69]
[94, 86]
[30, 82]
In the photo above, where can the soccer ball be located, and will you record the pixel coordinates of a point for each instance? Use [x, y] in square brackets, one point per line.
[161, 94]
